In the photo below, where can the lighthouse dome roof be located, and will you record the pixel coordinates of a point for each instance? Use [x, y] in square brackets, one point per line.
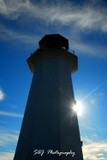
[54, 41]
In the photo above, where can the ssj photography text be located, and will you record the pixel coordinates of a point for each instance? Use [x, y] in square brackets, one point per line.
[41, 152]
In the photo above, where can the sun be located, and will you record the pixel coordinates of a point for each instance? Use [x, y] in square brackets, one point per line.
[78, 108]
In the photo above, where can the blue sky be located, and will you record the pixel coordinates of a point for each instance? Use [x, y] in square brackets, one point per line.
[22, 24]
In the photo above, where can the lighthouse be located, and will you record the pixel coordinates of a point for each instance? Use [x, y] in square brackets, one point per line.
[50, 128]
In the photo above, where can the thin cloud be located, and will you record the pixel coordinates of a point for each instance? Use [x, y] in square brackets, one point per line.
[6, 155]
[11, 35]
[94, 150]
[84, 48]
[11, 114]
[2, 95]
[85, 16]
[8, 137]
[12, 9]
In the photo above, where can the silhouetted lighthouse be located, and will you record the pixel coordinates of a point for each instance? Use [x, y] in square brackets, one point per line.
[50, 128]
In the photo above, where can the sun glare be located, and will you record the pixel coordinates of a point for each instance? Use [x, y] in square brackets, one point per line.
[78, 108]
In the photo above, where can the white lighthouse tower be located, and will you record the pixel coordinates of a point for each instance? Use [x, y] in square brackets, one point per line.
[50, 128]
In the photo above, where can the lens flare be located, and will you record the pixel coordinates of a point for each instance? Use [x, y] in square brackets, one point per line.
[78, 108]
